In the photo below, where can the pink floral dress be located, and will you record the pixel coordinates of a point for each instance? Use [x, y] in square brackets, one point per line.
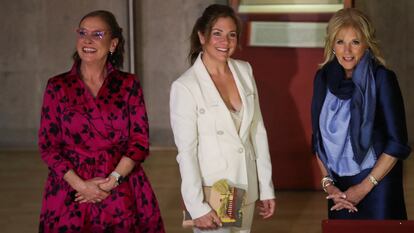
[90, 135]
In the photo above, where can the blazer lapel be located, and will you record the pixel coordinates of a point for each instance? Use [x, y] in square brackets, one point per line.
[246, 96]
[212, 97]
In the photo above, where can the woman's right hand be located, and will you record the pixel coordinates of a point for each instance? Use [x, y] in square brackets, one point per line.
[339, 198]
[210, 221]
[89, 191]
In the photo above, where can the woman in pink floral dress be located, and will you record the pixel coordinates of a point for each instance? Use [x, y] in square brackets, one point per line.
[93, 137]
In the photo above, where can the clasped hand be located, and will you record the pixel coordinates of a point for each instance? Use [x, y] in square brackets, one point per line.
[348, 199]
[340, 200]
[94, 190]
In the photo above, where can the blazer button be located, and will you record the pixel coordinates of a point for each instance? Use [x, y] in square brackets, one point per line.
[202, 111]
[220, 132]
[241, 150]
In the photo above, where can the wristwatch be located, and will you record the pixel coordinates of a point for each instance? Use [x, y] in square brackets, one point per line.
[118, 178]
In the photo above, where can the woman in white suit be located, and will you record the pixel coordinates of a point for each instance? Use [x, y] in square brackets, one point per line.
[217, 124]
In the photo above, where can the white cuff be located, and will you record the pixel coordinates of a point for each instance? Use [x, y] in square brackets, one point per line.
[197, 211]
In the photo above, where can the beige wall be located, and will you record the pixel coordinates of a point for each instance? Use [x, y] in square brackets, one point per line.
[163, 29]
[37, 41]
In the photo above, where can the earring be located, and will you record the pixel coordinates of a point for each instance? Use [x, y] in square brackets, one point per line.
[110, 53]
[333, 51]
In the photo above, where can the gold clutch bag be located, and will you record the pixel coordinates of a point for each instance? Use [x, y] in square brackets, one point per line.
[227, 201]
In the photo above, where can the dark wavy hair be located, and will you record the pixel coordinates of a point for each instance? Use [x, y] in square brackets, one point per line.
[117, 57]
[205, 23]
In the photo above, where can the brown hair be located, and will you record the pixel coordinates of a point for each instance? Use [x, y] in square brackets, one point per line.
[351, 17]
[117, 57]
[205, 23]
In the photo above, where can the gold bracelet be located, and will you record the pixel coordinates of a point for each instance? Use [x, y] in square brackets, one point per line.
[325, 182]
[373, 180]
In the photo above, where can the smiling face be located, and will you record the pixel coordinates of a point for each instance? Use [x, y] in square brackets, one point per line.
[94, 40]
[222, 42]
[349, 48]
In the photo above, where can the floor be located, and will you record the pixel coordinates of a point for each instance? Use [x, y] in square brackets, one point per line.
[22, 175]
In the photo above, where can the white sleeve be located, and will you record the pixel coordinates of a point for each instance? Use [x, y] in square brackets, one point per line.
[259, 140]
[183, 116]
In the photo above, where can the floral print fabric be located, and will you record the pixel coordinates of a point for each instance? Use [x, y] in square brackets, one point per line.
[90, 135]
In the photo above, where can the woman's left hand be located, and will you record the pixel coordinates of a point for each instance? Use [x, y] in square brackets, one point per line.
[109, 185]
[340, 199]
[267, 208]
[357, 192]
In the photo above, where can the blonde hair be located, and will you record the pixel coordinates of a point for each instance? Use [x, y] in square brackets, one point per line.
[351, 17]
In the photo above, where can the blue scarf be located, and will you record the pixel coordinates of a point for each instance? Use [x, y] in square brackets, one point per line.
[363, 103]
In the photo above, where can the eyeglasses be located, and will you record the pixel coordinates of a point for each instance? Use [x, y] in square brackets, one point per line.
[94, 35]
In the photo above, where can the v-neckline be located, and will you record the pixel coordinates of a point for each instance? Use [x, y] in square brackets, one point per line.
[94, 103]
[89, 91]
[228, 105]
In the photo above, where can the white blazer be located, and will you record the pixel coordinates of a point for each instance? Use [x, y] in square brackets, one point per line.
[209, 146]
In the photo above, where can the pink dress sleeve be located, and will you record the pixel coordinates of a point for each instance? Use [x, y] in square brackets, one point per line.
[138, 142]
[50, 132]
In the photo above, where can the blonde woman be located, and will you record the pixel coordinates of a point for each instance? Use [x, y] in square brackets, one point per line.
[358, 122]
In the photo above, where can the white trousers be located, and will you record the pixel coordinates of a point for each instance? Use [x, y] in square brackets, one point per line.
[248, 213]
